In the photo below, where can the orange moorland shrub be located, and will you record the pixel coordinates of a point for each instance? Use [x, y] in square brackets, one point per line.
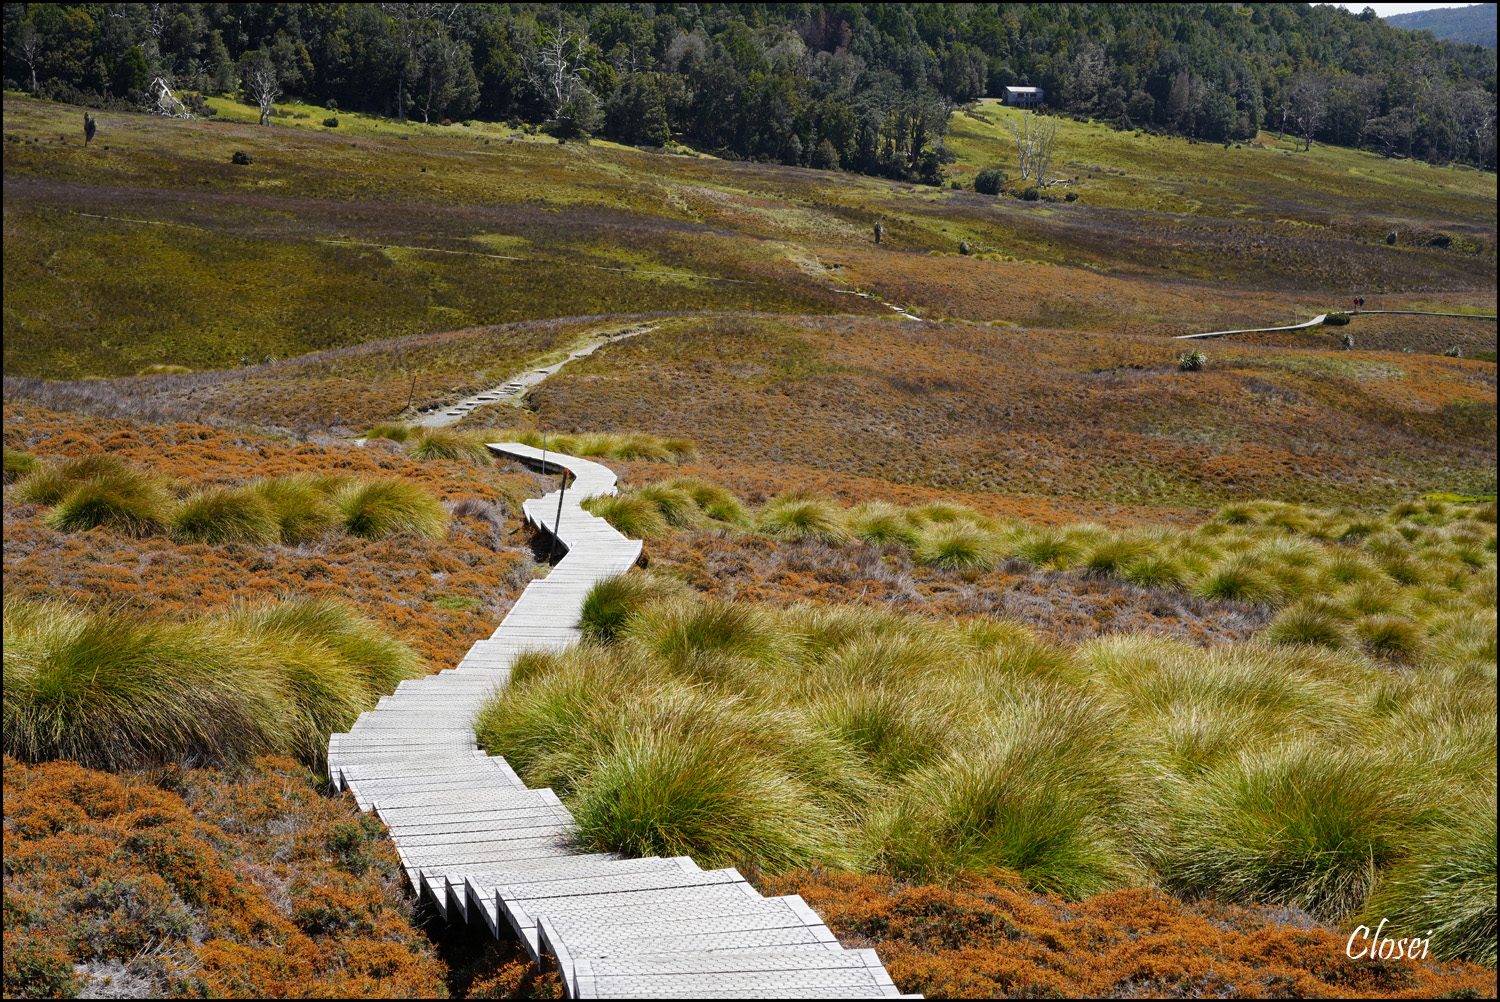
[437, 595]
[205, 884]
[1081, 418]
[986, 938]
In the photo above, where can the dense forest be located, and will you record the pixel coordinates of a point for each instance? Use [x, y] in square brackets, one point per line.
[865, 87]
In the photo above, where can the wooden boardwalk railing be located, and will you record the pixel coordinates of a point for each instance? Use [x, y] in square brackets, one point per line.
[485, 848]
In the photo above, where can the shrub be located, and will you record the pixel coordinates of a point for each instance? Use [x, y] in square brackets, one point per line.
[330, 122]
[1336, 320]
[1031, 194]
[18, 465]
[956, 546]
[796, 517]
[1152, 570]
[631, 514]
[1305, 827]
[1192, 361]
[129, 502]
[1446, 889]
[444, 443]
[241, 158]
[375, 509]
[989, 181]
[226, 515]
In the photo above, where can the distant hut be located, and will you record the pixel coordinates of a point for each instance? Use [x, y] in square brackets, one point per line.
[1024, 97]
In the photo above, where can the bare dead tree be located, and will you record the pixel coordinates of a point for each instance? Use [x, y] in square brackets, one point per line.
[1307, 96]
[558, 69]
[414, 23]
[167, 103]
[258, 75]
[29, 48]
[1035, 136]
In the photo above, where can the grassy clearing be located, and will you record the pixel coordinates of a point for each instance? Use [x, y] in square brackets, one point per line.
[1340, 579]
[1287, 775]
[112, 690]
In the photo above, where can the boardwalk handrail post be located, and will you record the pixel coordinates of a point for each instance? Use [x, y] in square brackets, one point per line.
[557, 522]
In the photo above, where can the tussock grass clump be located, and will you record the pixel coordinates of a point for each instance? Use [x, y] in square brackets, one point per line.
[882, 524]
[163, 369]
[1308, 623]
[1393, 637]
[18, 464]
[635, 516]
[612, 602]
[792, 516]
[608, 445]
[47, 483]
[113, 690]
[1447, 891]
[1047, 548]
[1288, 773]
[226, 515]
[392, 431]
[715, 502]
[677, 507]
[375, 509]
[1306, 827]
[1240, 580]
[128, 501]
[302, 506]
[1036, 798]
[956, 546]
[669, 794]
[445, 443]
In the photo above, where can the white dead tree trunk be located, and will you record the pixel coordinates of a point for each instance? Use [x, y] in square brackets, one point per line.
[558, 69]
[1035, 136]
[263, 87]
[166, 102]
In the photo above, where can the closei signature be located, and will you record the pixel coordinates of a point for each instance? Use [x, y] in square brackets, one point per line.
[1377, 947]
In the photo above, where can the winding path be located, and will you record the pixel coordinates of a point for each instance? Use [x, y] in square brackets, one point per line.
[514, 390]
[486, 848]
[1321, 317]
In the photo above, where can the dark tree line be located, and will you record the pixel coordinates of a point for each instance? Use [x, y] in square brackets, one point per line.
[864, 87]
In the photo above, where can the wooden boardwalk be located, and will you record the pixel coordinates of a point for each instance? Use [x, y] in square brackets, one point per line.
[485, 848]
